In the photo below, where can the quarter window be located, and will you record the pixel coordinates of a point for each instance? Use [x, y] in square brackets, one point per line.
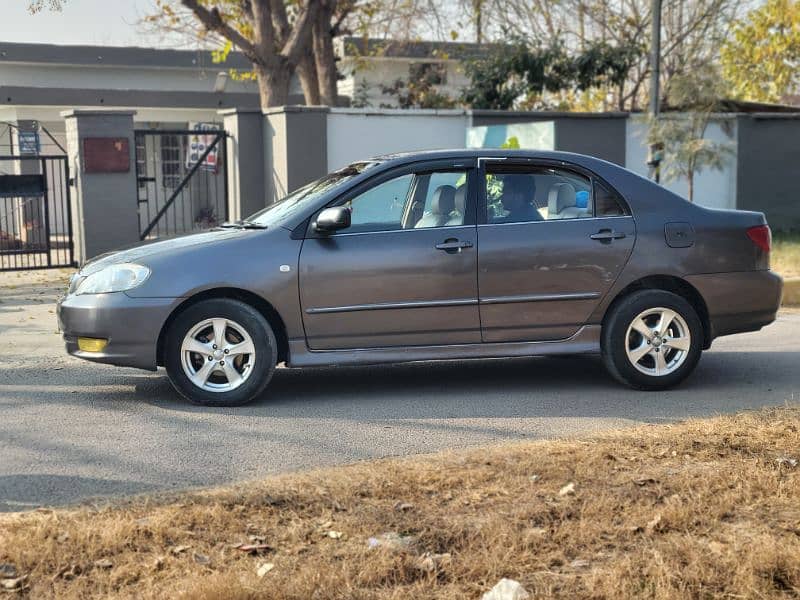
[607, 202]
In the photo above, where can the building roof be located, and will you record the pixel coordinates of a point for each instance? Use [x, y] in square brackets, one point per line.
[353, 46]
[118, 56]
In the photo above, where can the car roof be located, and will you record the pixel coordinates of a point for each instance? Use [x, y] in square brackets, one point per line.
[635, 189]
[401, 158]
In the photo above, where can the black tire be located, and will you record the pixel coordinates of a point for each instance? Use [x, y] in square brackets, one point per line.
[256, 326]
[614, 339]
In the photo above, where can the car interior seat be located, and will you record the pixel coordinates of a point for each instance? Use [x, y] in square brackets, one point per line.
[457, 216]
[442, 204]
[562, 202]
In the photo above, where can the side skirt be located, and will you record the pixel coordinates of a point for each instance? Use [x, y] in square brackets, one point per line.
[585, 341]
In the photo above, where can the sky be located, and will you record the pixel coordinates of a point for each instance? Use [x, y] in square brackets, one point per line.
[95, 22]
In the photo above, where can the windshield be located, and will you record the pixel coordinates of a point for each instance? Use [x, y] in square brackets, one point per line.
[298, 200]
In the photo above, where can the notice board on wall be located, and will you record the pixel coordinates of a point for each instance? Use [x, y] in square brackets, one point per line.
[106, 155]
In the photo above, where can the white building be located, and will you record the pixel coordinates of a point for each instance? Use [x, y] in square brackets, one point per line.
[368, 66]
[166, 88]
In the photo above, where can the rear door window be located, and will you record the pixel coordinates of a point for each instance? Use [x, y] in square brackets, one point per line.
[520, 194]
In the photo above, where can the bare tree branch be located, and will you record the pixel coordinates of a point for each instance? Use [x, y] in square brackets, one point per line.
[300, 36]
[213, 21]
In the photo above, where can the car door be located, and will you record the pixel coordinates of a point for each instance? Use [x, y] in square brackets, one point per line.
[552, 239]
[405, 272]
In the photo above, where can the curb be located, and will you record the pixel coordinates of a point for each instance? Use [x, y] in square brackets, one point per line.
[791, 292]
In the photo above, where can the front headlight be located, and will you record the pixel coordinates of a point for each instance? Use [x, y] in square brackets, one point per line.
[116, 278]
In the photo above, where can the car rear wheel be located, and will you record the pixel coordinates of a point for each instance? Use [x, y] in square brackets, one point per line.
[220, 352]
[652, 340]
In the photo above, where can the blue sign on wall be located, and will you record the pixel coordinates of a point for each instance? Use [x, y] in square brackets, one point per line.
[29, 143]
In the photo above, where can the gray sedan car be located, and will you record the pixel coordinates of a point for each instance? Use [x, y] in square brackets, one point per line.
[435, 255]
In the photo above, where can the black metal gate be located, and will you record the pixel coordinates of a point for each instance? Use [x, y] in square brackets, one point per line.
[35, 213]
[181, 180]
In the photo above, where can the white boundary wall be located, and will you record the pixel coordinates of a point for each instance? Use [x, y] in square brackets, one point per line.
[713, 189]
[359, 134]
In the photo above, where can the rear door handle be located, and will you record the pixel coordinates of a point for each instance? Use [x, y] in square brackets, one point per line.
[606, 235]
[453, 245]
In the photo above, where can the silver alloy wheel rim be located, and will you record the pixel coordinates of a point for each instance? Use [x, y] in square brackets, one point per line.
[658, 341]
[218, 355]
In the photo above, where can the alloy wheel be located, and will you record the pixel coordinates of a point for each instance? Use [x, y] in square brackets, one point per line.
[217, 355]
[658, 341]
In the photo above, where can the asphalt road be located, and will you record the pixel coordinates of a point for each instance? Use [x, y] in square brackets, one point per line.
[71, 430]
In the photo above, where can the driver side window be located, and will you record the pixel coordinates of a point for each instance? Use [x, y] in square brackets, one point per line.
[411, 201]
[380, 208]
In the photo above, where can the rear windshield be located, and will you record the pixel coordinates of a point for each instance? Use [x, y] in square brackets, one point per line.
[307, 195]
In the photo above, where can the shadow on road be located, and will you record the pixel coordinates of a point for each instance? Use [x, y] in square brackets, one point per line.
[525, 387]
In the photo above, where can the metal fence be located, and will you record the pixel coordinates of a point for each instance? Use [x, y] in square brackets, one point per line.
[35, 213]
[181, 180]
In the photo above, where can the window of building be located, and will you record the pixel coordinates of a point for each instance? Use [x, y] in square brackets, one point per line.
[434, 73]
[141, 160]
[171, 163]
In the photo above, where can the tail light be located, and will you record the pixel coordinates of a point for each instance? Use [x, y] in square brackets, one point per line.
[761, 236]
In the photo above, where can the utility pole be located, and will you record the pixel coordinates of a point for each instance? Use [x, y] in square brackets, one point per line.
[477, 7]
[656, 151]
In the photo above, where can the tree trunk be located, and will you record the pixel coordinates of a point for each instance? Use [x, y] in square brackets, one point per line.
[322, 40]
[690, 179]
[309, 81]
[273, 83]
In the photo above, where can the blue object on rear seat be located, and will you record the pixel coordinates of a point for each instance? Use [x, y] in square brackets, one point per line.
[582, 199]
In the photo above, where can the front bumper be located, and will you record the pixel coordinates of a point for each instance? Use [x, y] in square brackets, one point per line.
[131, 326]
[739, 302]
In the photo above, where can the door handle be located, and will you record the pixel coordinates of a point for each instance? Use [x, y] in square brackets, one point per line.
[453, 245]
[606, 235]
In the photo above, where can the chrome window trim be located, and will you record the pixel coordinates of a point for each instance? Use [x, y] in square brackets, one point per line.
[447, 227]
[573, 220]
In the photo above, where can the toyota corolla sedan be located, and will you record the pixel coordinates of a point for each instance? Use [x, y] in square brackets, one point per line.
[428, 256]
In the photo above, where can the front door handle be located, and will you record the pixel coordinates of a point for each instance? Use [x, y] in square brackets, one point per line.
[606, 235]
[453, 245]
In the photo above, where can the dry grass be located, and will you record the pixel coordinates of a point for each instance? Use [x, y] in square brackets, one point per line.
[705, 508]
[785, 255]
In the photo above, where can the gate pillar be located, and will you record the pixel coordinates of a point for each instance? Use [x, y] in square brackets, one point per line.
[245, 169]
[102, 154]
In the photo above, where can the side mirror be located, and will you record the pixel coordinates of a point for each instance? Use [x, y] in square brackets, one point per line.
[332, 219]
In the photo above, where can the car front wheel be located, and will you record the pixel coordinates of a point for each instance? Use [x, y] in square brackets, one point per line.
[652, 340]
[220, 352]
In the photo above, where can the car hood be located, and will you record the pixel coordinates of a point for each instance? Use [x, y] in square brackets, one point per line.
[140, 252]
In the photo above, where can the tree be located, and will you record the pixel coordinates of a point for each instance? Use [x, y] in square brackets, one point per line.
[279, 37]
[509, 72]
[260, 30]
[692, 31]
[696, 96]
[761, 59]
